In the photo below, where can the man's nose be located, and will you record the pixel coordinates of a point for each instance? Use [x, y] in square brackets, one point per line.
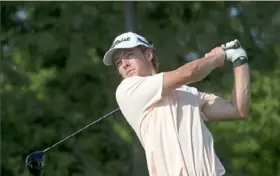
[125, 63]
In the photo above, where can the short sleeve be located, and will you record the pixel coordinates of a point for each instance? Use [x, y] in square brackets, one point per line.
[136, 95]
[141, 92]
[208, 99]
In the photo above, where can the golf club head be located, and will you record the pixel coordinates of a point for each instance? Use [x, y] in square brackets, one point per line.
[34, 163]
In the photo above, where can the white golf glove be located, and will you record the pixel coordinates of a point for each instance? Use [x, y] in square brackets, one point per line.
[234, 51]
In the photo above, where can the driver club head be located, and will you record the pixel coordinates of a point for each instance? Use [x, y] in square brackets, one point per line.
[34, 163]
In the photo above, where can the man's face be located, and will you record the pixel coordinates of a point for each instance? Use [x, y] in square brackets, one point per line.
[132, 62]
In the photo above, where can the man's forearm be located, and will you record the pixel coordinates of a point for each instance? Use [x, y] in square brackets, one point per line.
[241, 93]
[195, 71]
[188, 73]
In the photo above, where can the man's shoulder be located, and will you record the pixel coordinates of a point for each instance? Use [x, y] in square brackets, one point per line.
[132, 82]
[128, 82]
[127, 86]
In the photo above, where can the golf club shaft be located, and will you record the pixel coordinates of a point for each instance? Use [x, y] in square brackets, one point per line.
[82, 129]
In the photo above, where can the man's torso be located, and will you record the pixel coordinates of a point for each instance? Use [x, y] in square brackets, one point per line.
[175, 139]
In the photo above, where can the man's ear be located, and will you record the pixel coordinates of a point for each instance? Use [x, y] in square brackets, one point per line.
[149, 54]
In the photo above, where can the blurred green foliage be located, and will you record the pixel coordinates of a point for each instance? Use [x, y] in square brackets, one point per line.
[53, 82]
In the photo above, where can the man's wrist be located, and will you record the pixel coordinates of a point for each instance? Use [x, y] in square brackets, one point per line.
[213, 64]
[240, 61]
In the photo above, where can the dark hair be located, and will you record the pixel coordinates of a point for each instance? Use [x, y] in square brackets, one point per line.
[154, 60]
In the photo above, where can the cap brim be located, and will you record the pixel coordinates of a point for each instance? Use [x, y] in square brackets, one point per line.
[108, 60]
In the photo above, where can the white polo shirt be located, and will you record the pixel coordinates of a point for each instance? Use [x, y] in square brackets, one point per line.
[170, 129]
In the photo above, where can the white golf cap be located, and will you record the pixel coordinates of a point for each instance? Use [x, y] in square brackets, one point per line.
[125, 40]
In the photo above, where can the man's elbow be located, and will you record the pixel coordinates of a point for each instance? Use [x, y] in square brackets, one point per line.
[243, 113]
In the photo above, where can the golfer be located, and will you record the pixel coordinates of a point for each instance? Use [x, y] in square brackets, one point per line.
[166, 114]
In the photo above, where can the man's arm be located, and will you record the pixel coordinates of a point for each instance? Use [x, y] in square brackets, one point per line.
[146, 91]
[193, 71]
[216, 108]
[241, 94]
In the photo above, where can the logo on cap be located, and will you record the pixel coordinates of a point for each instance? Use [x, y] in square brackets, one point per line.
[120, 41]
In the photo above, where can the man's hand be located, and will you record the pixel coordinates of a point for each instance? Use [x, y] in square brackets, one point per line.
[234, 51]
[218, 54]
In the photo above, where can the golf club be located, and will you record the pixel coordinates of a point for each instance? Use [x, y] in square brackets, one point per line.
[34, 161]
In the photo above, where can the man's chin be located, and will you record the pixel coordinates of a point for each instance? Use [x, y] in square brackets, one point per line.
[131, 73]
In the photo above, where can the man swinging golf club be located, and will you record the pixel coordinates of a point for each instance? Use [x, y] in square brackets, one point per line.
[166, 114]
